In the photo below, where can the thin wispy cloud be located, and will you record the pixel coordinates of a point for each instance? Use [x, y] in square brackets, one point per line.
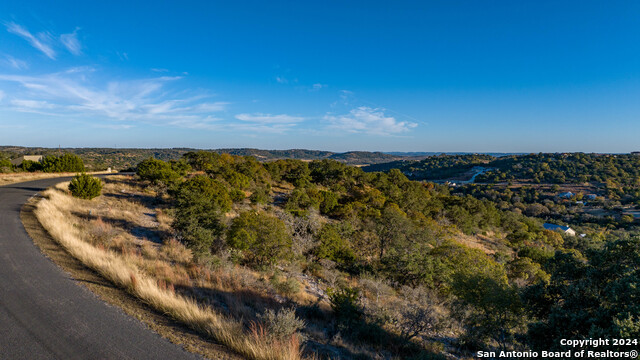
[113, 126]
[346, 98]
[71, 42]
[211, 106]
[266, 123]
[71, 93]
[282, 80]
[32, 104]
[269, 119]
[261, 128]
[42, 41]
[14, 63]
[366, 120]
[346, 95]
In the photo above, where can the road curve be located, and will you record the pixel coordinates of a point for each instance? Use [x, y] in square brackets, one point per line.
[44, 314]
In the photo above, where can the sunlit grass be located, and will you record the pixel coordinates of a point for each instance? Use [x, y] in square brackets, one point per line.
[153, 284]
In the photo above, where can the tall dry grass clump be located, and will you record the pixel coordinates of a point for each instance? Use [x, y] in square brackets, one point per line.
[55, 213]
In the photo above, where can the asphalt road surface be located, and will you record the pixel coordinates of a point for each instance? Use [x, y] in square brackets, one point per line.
[44, 314]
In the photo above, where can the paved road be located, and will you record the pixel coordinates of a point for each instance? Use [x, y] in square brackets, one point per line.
[44, 314]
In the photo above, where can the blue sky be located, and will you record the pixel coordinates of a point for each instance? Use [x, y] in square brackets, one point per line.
[503, 76]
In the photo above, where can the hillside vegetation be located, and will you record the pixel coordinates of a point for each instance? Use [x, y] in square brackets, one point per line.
[123, 158]
[435, 167]
[337, 262]
[623, 169]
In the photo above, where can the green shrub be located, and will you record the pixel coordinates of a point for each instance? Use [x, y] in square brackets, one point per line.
[30, 166]
[236, 195]
[344, 303]
[329, 202]
[282, 325]
[287, 287]
[332, 246]
[262, 237]
[298, 203]
[181, 167]
[84, 186]
[199, 204]
[236, 180]
[64, 163]
[5, 165]
[157, 171]
[260, 196]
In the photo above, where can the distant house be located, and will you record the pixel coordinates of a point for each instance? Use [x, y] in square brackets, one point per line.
[590, 196]
[563, 229]
[21, 159]
[566, 195]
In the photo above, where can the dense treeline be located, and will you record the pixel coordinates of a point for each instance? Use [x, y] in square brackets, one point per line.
[97, 159]
[5, 163]
[545, 203]
[566, 168]
[590, 295]
[619, 169]
[435, 167]
[50, 163]
[404, 232]
[605, 187]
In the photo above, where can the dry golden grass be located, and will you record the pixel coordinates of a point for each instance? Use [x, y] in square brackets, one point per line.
[475, 242]
[113, 254]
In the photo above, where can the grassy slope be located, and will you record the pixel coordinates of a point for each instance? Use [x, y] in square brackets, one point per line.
[55, 213]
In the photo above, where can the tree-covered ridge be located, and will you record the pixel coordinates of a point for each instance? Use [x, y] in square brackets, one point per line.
[126, 158]
[436, 167]
[473, 254]
[623, 169]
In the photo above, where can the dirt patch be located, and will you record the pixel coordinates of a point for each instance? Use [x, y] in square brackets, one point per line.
[161, 324]
[476, 242]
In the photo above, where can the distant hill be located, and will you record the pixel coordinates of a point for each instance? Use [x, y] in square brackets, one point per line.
[351, 157]
[364, 157]
[435, 167]
[555, 168]
[420, 154]
[265, 155]
[102, 158]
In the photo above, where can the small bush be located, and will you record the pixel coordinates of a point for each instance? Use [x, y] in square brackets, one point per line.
[262, 238]
[236, 195]
[344, 303]
[287, 287]
[157, 171]
[63, 163]
[283, 324]
[332, 246]
[84, 186]
[31, 166]
[259, 196]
